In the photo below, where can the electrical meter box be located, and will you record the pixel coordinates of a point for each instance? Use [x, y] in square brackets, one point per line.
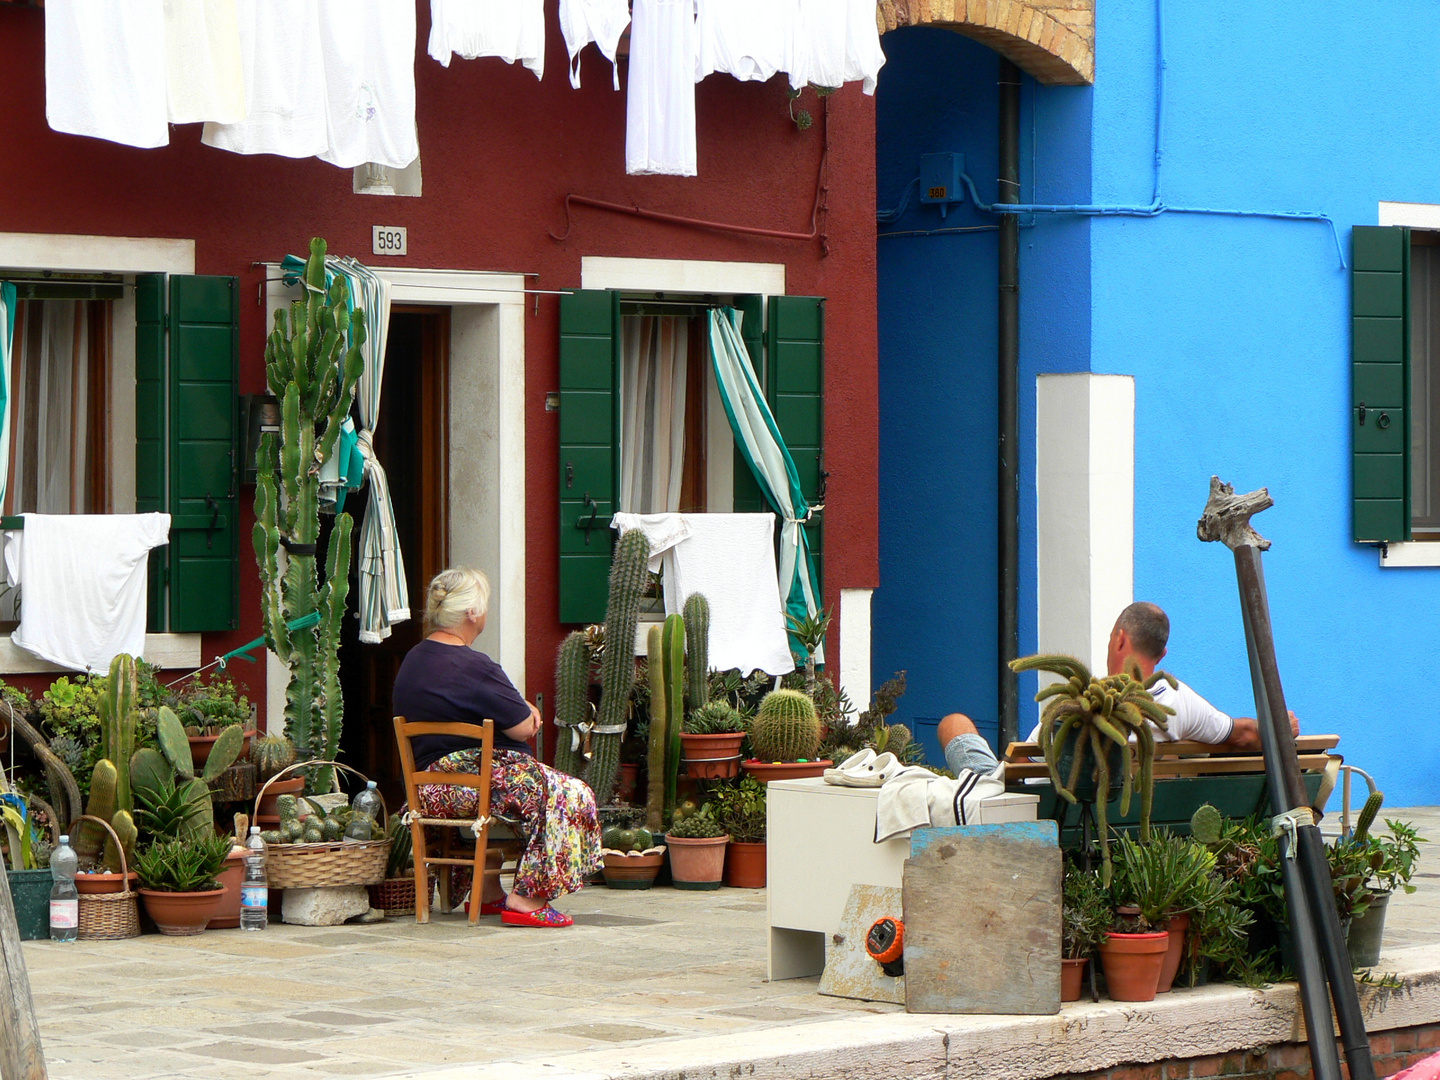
[940, 179]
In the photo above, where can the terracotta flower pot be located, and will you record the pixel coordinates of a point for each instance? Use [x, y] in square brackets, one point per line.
[227, 914]
[91, 884]
[745, 865]
[201, 745]
[765, 771]
[1132, 964]
[1072, 978]
[696, 862]
[1176, 928]
[625, 785]
[632, 870]
[180, 914]
[711, 757]
[290, 786]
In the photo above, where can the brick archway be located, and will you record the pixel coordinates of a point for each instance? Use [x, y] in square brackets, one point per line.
[1053, 40]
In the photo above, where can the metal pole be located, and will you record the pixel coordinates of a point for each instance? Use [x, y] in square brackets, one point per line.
[1008, 501]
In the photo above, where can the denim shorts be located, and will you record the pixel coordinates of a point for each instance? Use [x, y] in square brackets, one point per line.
[970, 752]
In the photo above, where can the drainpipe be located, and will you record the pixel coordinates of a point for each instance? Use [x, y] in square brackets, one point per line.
[1009, 442]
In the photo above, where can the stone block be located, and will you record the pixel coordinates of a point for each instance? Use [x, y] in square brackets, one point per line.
[324, 907]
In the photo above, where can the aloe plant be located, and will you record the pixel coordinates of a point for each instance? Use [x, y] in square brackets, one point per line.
[312, 363]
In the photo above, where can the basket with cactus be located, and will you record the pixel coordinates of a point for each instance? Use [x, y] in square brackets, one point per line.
[316, 848]
[785, 738]
[710, 741]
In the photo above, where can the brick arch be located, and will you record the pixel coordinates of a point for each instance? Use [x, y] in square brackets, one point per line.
[1053, 40]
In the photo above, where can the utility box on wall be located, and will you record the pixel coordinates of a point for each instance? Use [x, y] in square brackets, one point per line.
[940, 179]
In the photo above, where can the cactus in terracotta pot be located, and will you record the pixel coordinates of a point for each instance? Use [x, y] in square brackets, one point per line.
[786, 727]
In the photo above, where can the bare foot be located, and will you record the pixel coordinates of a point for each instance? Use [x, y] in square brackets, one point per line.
[516, 902]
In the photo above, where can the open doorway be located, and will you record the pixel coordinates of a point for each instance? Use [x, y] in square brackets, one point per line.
[411, 441]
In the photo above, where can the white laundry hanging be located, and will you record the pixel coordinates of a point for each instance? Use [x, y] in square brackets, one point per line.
[660, 100]
[369, 60]
[835, 42]
[749, 39]
[105, 70]
[600, 21]
[513, 30]
[204, 70]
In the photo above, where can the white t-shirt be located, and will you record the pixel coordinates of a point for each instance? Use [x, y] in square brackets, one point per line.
[1195, 718]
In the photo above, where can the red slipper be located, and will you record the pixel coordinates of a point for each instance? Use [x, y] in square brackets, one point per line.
[545, 916]
[494, 907]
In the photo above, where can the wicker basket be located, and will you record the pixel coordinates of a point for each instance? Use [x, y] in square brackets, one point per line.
[396, 896]
[109, 916]
[316, 866]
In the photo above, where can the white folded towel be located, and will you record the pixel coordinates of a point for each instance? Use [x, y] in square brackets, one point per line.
[913, 797]
[83, 585]
[663, 531]
[731, 559]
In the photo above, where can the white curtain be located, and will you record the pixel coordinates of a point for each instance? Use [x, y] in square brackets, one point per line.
[654, 364]
[50, 409]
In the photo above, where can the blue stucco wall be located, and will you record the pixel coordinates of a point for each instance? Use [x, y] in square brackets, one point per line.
[1235, 329]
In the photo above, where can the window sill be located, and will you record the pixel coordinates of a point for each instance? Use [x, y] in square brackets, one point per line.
[169, 651]
[1410, 553]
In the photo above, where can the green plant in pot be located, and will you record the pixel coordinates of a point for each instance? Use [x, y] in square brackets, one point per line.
[1158, 880]
[696, 845]
[711, 741]
[1105, 723]
[1367, 870]
[173, 797]
[179, 881]
[1087, 914]
[785, 737]
[739, 808]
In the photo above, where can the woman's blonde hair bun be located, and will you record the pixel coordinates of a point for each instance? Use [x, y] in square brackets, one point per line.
[455, 595]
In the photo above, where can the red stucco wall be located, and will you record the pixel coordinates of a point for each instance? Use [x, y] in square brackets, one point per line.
[499, 151]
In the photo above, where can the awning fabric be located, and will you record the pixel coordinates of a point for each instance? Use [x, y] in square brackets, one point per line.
[384, 592]
[758, 438]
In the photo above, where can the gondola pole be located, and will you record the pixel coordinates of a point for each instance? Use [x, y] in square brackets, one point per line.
[1310, 898]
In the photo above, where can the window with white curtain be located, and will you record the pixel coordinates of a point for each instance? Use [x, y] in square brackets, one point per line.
[664, 381]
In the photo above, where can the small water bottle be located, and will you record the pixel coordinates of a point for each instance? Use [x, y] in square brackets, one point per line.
[254, 890]
[367, 802]
[64, 899]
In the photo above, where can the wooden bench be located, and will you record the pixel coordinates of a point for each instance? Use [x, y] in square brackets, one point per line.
[1187, 774]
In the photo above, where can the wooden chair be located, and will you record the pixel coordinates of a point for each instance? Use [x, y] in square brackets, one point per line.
[452, 844]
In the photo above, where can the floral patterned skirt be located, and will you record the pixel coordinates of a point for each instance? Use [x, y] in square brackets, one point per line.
[557, 813]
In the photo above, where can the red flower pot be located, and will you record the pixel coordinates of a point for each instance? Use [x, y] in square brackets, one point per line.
[696, 862]
[711, 757]
[90, 884]
[1132, 964]
[180, 914]
[626, 783]
[1176, 928]
[765, 771]
[227, 914]
[745, 865]
[632, 870]
[201, 745]
[1072, 978]
[291, 786]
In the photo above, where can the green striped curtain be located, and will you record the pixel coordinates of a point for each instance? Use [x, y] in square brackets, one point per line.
[7, 344]
[757, 438]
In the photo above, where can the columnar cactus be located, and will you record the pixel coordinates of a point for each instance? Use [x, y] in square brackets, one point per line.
[786, 727]
[672, 661]
[697, 650]
[313, 370]
[117, 725]
[1367, 815]
[659, 731]
[572, 699]
[628, 578]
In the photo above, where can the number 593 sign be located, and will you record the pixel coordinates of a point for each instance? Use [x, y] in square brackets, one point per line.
[388, 240]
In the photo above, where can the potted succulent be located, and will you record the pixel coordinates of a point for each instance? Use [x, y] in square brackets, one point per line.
[710, 741]
[28, 874]
[1157, 882]
[179, 881]
[1367, 870]
[739, 808]
[632, 859]
[1087, 915]
[697, 851]
[1107, 723]
[785, 737]
[207, 708]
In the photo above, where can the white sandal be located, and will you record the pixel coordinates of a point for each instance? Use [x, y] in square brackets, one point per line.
[861, 770]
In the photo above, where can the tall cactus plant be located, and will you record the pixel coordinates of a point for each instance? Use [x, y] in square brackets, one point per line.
[572, 700]
[312, 363]
[697, 651]
[659, 731]
[117, 724]
[672, 652]
[628, 578]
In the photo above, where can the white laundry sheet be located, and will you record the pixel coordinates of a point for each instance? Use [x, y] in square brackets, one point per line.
[660, 98]
[663, 531]
[204, 69]
[510, 29]
[600, 21]
[105, 70]
[916, 797]
[82, 581]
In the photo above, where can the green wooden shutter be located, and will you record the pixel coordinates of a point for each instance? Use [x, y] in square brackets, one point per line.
[1380, 412]
[204, 488]
[589, 430]
[747, 497]
[150, 427]
[795, 340]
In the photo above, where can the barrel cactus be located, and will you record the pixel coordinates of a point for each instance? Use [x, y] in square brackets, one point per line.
[786, 727]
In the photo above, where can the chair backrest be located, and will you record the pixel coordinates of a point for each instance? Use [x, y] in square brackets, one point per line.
[406, 730]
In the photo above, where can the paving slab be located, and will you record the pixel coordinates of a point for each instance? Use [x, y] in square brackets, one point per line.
[647, 984]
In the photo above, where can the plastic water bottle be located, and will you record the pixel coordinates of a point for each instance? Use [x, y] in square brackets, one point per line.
[254, 890]
[367, 802]
[64, 899]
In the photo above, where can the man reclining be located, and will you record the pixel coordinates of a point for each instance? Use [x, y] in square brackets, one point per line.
[1140, 634]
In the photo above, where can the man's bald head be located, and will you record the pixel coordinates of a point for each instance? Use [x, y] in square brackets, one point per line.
[1142, 631]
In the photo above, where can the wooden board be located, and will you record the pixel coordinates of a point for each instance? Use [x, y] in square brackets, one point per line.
[1207, 765]
[1303, 743]
[850, 971]
[982, 919]
[21, 1057]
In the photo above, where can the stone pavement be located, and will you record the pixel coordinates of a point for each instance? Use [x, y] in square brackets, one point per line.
[663, 975]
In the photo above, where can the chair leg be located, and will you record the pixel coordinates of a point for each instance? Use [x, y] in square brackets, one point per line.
[477, 883]
[422, 873]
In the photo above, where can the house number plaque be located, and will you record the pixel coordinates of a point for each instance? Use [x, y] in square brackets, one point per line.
[388, 240]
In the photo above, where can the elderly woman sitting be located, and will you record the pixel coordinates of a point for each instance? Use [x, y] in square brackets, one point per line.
[443, 679]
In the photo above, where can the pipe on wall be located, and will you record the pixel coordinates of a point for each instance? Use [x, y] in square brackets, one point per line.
[1009, 440]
